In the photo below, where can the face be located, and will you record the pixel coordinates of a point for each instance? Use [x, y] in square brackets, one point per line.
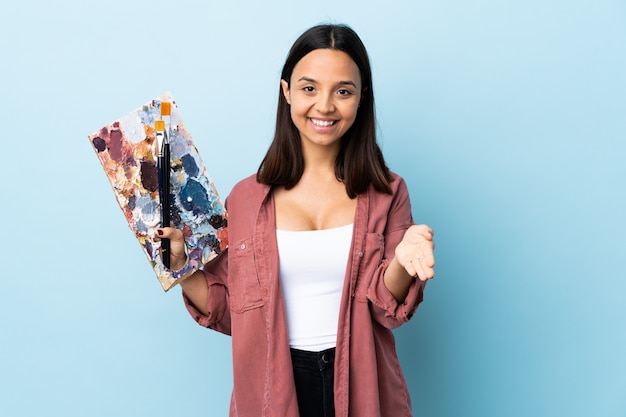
[324, 96]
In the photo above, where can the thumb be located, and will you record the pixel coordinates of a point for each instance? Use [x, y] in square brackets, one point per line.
[170, 233]
[424, 231]
[176, 238]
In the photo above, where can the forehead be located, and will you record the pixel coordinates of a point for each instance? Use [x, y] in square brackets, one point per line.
[327, 65]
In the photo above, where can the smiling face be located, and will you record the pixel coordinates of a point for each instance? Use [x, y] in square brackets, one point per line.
[324, 94]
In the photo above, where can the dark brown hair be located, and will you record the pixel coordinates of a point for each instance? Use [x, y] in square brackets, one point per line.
[360, 161]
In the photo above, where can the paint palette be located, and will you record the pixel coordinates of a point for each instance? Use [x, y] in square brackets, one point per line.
[127, 150]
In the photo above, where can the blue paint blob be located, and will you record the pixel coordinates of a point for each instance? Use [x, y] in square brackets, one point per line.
[193, 197]
[147, 113]
[212, 242]
[147, 212]
[189, 165]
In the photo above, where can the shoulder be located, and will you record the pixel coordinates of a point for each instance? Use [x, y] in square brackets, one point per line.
[249, 185]
[248, 191]
[398, 202]
[244, 205]
[397, 183]
[398, 189]
[387, 213]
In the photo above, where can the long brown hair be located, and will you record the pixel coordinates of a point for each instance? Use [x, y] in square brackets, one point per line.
[360, 161]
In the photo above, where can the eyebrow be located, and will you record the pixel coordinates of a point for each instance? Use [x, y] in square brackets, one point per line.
[311, 80]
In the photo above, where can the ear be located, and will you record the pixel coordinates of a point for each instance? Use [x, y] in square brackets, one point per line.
[285, 87]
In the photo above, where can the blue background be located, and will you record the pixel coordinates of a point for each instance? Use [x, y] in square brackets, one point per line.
[507, 119]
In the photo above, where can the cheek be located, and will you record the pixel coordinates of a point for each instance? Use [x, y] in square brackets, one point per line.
[293, 112]
[351, 112]
[296, 110]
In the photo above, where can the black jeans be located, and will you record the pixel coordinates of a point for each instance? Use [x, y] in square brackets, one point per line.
[313, 373]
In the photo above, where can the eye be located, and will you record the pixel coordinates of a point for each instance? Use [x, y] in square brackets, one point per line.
[308, 89]
[344, 92]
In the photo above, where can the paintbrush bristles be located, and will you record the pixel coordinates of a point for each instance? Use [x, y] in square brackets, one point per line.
[166, 108]
[159, 125]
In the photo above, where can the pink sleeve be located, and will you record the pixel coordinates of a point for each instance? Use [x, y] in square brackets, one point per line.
[217, 302]
[385, 308]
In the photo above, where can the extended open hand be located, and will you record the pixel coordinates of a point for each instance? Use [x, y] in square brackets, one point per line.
[416, 252]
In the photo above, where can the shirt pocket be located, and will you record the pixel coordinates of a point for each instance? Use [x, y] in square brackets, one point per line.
[373, 252]
[244, 286]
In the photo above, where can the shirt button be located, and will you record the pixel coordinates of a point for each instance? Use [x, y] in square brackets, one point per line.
[360, 254]
[243, 246]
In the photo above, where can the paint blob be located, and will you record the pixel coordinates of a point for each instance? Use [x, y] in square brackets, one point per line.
[189, 165]
[99, 143]
[149, 176]
[194, 197]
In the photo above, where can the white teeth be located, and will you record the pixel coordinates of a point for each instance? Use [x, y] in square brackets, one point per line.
[323, 123]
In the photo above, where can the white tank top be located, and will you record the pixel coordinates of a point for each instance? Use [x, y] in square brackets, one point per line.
[312, 271]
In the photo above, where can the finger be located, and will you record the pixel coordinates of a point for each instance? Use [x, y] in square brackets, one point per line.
[424, 272]
[429, 258]
[426, 250]
[175, 236]
[419, 268]
[410, 268]
[424, 231]
[415, 268]
[177, 241]
[428, 273]
[169, 233]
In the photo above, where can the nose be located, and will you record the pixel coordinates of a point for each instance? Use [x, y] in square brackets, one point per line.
[325, 103]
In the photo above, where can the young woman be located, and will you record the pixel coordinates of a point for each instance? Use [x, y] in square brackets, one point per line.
[324, 258]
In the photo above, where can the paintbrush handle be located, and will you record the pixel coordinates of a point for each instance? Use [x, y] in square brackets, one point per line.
[164, 196]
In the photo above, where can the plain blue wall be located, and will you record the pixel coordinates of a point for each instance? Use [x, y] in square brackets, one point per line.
[507, 119]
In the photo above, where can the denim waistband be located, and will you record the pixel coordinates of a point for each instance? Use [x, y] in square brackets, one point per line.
[315, 360]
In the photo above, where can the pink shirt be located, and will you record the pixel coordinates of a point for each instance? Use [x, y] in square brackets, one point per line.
[245, 301]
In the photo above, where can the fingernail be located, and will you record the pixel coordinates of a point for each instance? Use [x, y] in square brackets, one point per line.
[159, 232]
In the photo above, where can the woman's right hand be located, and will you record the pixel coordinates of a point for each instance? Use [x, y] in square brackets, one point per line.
[195, 285]
[178, 256]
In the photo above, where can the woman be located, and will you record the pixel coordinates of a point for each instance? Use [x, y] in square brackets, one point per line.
[324, 258]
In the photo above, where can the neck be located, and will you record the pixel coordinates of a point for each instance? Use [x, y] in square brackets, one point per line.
[320, 160]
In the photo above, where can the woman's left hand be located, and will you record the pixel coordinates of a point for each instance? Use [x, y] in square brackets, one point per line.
[416, 252]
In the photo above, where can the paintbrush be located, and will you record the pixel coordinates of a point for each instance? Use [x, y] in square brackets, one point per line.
[163, 130]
